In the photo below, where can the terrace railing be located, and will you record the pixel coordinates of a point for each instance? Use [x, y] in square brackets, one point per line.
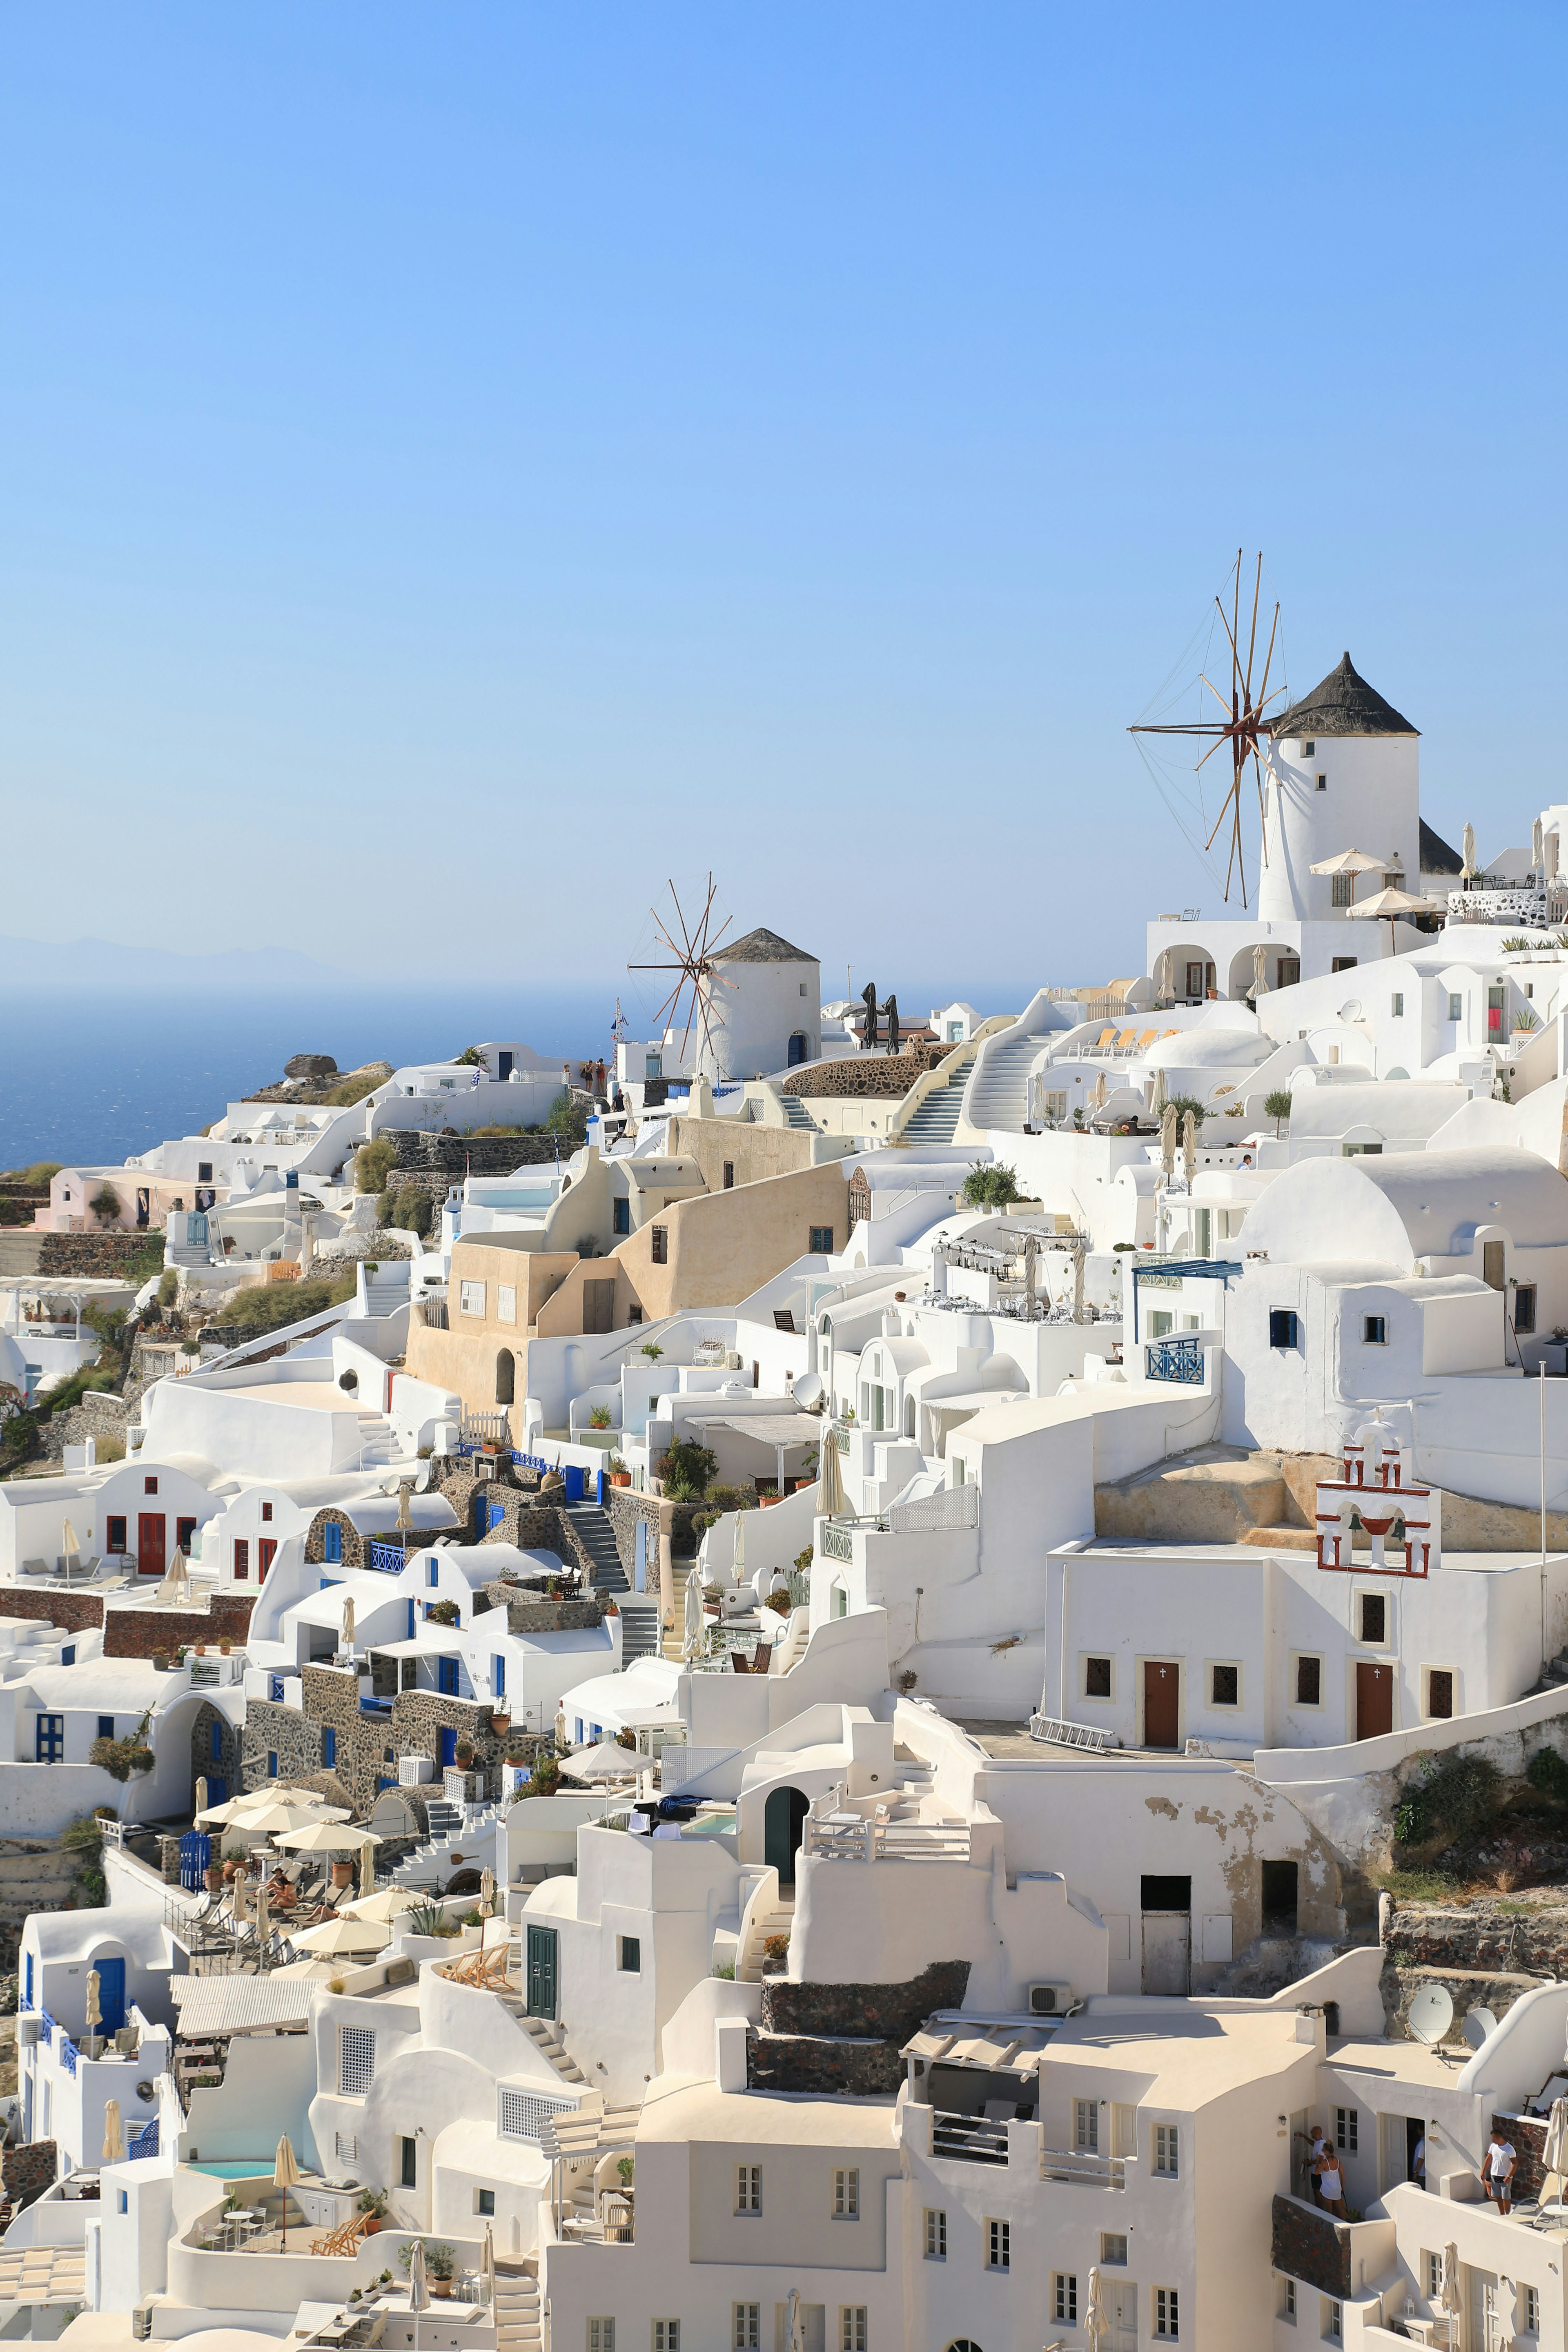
[1181, 1360]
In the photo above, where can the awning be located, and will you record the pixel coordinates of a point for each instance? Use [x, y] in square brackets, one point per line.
[233, 2004]
[773, 1429]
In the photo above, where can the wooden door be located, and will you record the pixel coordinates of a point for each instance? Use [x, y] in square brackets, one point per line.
[149, 1543]
[1161, 1700]
[599, 1306]
[541, 1971]
[1488, 2332]
[1373, 1700]
[1167, 1952]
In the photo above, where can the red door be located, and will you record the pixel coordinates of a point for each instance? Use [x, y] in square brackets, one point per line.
[1373, 1700]
[264, 1552]
[149, 1543]
[1162, 1690]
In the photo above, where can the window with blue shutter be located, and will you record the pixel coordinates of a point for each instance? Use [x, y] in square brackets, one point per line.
[498, 1677]
[331, 1540]
[446, 1677]
[329, 1747]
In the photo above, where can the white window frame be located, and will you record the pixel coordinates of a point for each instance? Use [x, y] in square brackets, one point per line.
[853, 2327]
[748, 2188]
[1286, 2311]
[600, 2336]
[746, 2327]
[1086, 2127]
[847, 2194]
[998, 2243]
[506, 1302]
[470, 1297]
[936, 2233]
[1347, 2129]
[1063, 2297]
[1166, 2151]
[1334, 2321]
[666, 2335]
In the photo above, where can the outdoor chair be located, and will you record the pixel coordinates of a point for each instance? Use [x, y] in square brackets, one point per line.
[35, 1568]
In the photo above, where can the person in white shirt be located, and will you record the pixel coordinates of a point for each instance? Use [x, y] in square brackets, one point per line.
[1331, 2183]
[1496, 2171]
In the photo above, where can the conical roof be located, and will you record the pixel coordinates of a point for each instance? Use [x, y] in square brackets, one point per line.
[1342, 705]
[760, 947]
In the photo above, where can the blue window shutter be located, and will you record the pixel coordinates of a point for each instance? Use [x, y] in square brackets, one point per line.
[331, 1540]
[497, 1678]
[410, 1634]
[432, 1574]
[329, 1746]
[68, 1655]
[272, 1764]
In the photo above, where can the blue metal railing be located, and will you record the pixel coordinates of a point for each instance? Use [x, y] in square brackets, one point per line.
[51, 2025]
[144, 2142]
[68, 2053]
[195, 1855]
[389, 1557]
[1175, 1359]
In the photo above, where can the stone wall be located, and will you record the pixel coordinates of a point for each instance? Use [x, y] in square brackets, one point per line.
[272, 1728]
[531, 1613]
[35, 1875]
[72, 1611]
[451, 1156]
[828, 2038]
[26, 2171]
[1313, 2247]
[625, 1506]
[1529, 2137]
[888, 1076]
[226, 1764]
[1484, 1954]
[98, 1257]
[142, 1632]
[368, 1746]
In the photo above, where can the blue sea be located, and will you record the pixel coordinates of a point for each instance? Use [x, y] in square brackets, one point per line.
[95, 1078]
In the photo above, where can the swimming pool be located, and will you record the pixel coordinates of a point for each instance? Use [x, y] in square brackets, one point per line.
[239, 2167]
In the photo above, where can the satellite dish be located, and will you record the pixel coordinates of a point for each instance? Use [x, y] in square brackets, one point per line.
[1430, 2014]
[808, 1390]
[1479, 2024]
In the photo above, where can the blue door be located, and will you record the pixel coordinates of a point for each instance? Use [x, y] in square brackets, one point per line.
[573, 1474]
[448, 1746]
[497, 1513]
[27, 1984]
[217, 1788]
[51, 1738]
[196, 1853]
[111, 1995]
[640, 1566]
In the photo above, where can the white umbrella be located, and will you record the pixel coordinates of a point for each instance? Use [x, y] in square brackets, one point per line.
[272, 1821]
[418, 2287]
[113, 2137]
[1352, 862]
[739, 1563]
[692, 1643]
[201, 1795]
[385, 1906]
[262, 1922]
[609, 1761]
[795, 2331]
[274, 1792]
[348, 1640]
[335, 1935]
[1259, 957]
[285, 2176]
[1189, 1144]
[1389, 905]
[487, 1889]
[325, 1836]
[367, 1870]
[68, 1539]
[488, 2267]
[1555, 2154]
[94, 2013]
[1469, 864]
[1096, 2318]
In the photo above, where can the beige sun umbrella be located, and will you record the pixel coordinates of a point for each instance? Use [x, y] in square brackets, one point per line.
[94, 2012]
[830, 1496]
[338, 1936]
[1449, 2296]
[1352, 862]
[201, 1795]
[1169, 1124]
[69, 1544]
[113, 2136]
[692, 1635]
[285, 2176]
[487, 1889]
[1389, 905]
[1096, 1097]
[487, 2268]
[322, 1836]
[1189, 1143]
[367, 1870]
[272, 1821]
[1467, 870]
[274, 1792]
[738, 1564]
[387, 1905]
[404, 1516]
[1096, 2318]
[263, 1923]
[348, 1640]
[418, 2287]
[1259, 958]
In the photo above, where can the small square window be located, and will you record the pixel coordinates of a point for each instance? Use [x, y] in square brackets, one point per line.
[936, 2234]
[1096, 1678]
[666, 2335]
[1374, 1330]
[1309, 1682]
[265, 1515]
[1287, 2300]
[1166, 2162]
[204, 1171]
[106, 1727]
[124, 2200]
[1282, 1327]
[659, 1241]
[1112, 2250]
[729, 1185]
[485, 2201]
[852, 2327]
[1375, 1617]
[1225, 1685]
[1343, 884]
[1309, 748]
[1440, 1692]
[998, 2245]
[1456, 1006]
[821, 1243]
[149, 1485]
[1323, 783]
[748, 2188]
[628, 1957]
[847, 2195]
[1524, 1306]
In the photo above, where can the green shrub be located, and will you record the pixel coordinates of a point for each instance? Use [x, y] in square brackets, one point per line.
[386, 1208]
[990, 1188]
[374, 1163]
[1451, 1799]
[105, 1204]
[350, 1091]
[1547, 1772]
[39, 1176]
[168, 1288]
[686, 1470]
[270, 1305]
[471, 1057]
[566, 1117]
[413, 1212]
[1181, 1105]
[1277, 1107]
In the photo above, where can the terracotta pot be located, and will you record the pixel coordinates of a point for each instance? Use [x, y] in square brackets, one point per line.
[215, 1878]
[372, 2224]
[620, 1478]
[342, 1874]
[441, 2286]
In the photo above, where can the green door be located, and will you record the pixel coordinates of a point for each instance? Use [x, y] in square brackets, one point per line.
[784, 1823]
[541, 1973]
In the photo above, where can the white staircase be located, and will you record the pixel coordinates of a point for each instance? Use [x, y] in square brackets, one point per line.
[548, 2038]
[769, 1912]
[378, 1440]
[998, 1095]
[472, 1833]
[519, 2316]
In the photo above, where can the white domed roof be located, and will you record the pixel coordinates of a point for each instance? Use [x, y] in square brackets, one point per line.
[1206, 1049]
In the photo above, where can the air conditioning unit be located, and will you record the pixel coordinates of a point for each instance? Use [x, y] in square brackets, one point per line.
[484, 1468]
[30, 2031]
[413, 1770]
[1049, 1999]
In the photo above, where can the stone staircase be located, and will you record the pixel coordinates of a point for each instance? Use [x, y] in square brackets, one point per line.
[796, 1115]
[548, 2038]
[639, 1613]
[1554, 1675]
[519, 2316]
[935, 1117]
[769, 1913]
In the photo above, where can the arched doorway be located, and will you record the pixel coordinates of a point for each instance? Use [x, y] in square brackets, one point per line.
[506, 1376]
[783, 1827]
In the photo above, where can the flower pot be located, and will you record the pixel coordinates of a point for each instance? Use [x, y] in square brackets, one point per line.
[620, 1478]
[215, 1878]
[372, 2224]
[441, 2286]
[342, 1874]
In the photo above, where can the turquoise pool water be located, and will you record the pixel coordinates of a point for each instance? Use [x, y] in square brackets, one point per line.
[239, 2167]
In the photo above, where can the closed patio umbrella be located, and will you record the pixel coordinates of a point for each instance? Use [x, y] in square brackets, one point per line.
[1555, 2154]
[262, 1922]
[488, 2267]
[418, 2287]
[1468, 867]
[692, 1640]
[94, 2013]
[367, 1870]
[113, 2137]
[285, 2176]
[1448, 2299]
[69, 1544]
[1096, 2319]
[487, 1889]
[1259, 957]
[830, 1496]
[739, 1563]
[201, 1805]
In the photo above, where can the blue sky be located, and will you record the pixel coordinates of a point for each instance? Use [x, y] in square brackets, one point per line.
[460, 466]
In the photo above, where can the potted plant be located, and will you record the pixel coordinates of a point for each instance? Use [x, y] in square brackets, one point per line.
[619, 1475]
[463, 1754]
[372, 2205]
[441, 2262]
[652, 1350]
[599, 1417]
[225, 1648]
